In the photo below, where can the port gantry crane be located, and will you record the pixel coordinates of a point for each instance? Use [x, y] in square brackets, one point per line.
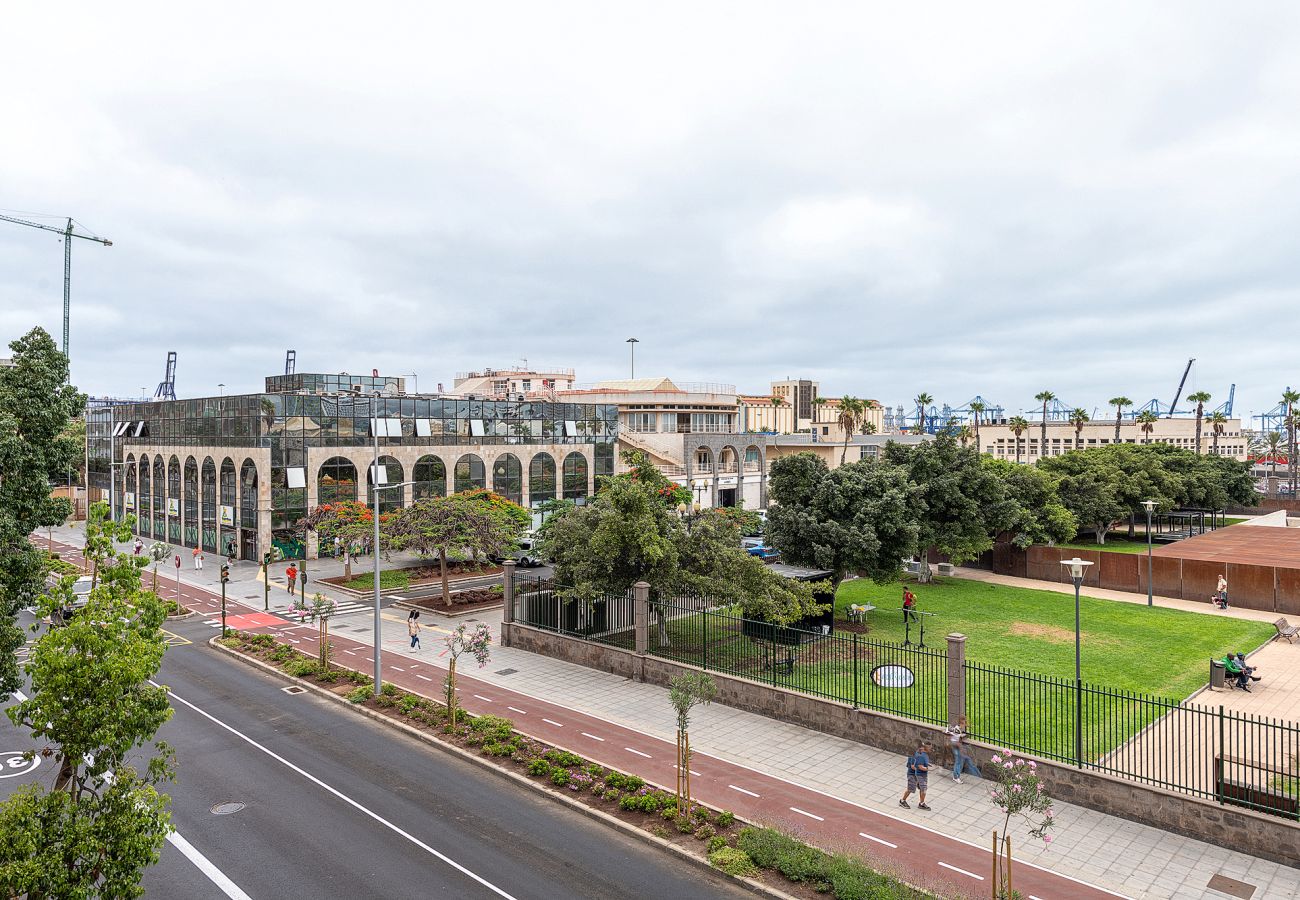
[68, 235]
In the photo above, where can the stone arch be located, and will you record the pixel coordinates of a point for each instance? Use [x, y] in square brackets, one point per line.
[508, 478]
[430, 476]
[575, 476]
[391, 498]
[228, 487]
[469, 473]
[130, 484]
[208, 504]
[190, 503]
[248, 511]
[159, 498]
[174, 500]
[336, 481]
[144, 498]
[541, 478]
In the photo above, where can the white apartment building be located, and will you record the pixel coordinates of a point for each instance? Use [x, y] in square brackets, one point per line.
[510, 383]
[997, 439]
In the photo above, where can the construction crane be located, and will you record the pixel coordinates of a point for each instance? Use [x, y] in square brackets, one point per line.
[1173, 407]
[167, 387]
[290, 361]
[68, 235]
[1226, 408]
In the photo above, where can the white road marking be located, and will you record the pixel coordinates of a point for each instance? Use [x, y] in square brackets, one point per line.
[638, 752]
[425, 677]
[556, 724]
[872, 837]
[484, 699]
[592, 736]
[692, 771]
[342, 796]
[1032, 897]
[204, 865]
[350, 652]
[962, 871]
[22, 698]
[397, 668]
[369, 659]
[742, 790]
[808, 814]
[517, 709]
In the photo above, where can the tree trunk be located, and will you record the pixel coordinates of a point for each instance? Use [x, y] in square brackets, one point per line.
[1119, 417]
[442, 562]
[1131, 524]
[1198, 431]
[1042, 437]
[923, 573]
[451, 692]
[347, 564]
[1101, 533]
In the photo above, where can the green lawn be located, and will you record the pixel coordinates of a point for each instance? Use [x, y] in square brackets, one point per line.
[1113, 545]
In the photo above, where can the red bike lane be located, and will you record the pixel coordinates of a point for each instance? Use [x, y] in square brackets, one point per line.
[917, 852]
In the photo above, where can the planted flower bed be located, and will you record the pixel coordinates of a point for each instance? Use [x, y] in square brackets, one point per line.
[763, 854]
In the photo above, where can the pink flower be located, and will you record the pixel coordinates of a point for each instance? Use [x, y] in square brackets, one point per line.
[1033, 765]
[1015, 788]
[1047, 839]
[996, 758]
[1006, 765]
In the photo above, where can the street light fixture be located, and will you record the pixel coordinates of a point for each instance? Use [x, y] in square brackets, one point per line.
[1076, 568]
[221, 389]
[633, 342]
[1149, 506]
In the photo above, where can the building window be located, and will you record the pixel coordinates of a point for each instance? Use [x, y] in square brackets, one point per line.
[390, 473]
[575, 476]
[430, 477]
[336, 481]
[469, 473]
[508, 478]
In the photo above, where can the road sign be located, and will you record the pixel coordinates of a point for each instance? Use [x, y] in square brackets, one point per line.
[178, 560]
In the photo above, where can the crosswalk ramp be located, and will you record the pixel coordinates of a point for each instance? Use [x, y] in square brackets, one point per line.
[341, 608]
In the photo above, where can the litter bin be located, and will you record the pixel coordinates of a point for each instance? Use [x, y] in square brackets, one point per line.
[1217, 672]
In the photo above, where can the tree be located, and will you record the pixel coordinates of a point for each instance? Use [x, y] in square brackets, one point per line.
[349, 523]
[36, 407]
[1200, 398]
[858, 518]
[777, 403]
[1104, 485]
[1045, 397]
[1018, 425]
[436, 526]
[922, 401]
[1078, 418]
[685, 692]
[1218, 424]
[1147, 422]
[158, 552]
[958, 504]
[1033, 512]
[819, 404]
[1019, 791]
[965, 434]
[851, 411]
[1274, 443]
[1289, 399]
[1119, 403]
[103, 821]
[977, 408]
[476, 643]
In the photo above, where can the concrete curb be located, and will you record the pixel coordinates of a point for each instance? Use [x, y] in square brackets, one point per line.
[411, 604]
[601, 816]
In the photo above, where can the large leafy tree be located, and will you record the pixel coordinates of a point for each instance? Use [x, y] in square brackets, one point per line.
[36, 408]
[859, 518]
[465, 522]
[1104, 485]
[103, 821]
[958, 502]
[1033, 512]
[348, 521]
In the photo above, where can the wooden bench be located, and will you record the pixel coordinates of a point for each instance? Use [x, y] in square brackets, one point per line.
[1286, 630]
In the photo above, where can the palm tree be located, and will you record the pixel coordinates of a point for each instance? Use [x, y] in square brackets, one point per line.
[922, 401]
[1200, 398]
[1018, 427]
[964, 434]
[1274, 442]
[1147, 422]
[1119, 403]
[976, 410]
[851, 410]
[777, 403]
[1218, 424]
[818, 404]
[1045, 397]
[1078, 418]
[1289, 399]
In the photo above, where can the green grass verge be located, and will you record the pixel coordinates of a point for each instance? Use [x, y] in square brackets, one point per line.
[389, 580]
[1113, 545]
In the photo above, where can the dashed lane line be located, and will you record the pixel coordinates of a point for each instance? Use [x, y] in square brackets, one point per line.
[517, 709]
[594, 737]
[962, 871]
[872, 837]
[481, 697]
[808, 814]
[638, 753]
[553, 722]
[742, 790]
[692, 771]
[425, 677]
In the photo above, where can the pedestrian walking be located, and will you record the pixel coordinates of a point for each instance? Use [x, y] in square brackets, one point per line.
[291, 573]
[413, 628]
[918, 775]
[139, 546]
[198, 559]
[960, 758]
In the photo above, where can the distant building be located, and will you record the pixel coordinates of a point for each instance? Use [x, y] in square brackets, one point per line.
[510, 384]
[997, 439]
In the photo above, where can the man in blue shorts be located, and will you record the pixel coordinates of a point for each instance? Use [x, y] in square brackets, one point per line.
[918, 775]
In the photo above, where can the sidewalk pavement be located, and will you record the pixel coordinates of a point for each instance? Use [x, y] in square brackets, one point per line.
[1125, 857]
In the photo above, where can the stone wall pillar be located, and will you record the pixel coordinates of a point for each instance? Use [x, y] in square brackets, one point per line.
[641, 616]
[508, 611]
[956, 677]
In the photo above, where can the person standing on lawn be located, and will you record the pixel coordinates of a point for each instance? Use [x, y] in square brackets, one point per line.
[918, 775]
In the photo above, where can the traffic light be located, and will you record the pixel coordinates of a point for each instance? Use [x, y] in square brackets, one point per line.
[225, 573]
[266, 559]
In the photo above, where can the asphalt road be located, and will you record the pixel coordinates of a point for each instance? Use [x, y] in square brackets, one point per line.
[337, 805]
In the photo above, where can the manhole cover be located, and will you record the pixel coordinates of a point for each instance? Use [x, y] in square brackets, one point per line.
[507, 671]
[294, 689]
[227, 808]
[1232, 887]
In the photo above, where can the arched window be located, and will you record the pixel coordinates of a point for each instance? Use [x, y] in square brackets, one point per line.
[508, 477]
[128, 504]
[248, 501]
[575, 476]
[389, 498]
[336, 481]
[229, 503]
[144, 500]
[190, 505]
[209, 489]
[430, 477]
[159, 499]
[469, 473]
[541, 479]
[174, 500]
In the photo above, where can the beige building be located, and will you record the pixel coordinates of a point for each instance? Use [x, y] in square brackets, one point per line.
[996, 439]
[513, 383]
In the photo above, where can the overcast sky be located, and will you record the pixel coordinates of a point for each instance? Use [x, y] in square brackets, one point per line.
[990, 199]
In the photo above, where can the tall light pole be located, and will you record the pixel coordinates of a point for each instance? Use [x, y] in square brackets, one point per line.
[374, 481]
[221, 389]
[1149, 506]
[632, 346]
[1077, 567]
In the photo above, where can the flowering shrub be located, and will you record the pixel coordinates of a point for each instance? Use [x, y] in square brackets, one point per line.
[477, 644]
[1019, 791]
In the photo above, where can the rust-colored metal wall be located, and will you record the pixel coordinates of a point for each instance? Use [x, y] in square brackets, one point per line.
[1287, 596]
[1043, 563]
[1119, 571]
[1008, 559]
[1252, 586]
[1200, 578]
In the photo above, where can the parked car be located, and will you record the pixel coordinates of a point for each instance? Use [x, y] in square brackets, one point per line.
[80, 597]
[527, 556]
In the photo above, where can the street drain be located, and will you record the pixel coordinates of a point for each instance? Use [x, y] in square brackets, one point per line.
[507, 671]
[227, 808]
[294, 689]
[1232, 887]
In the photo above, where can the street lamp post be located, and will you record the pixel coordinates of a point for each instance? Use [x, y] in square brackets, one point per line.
[374, 550]
[221, 389]
[1077, 567]
[632, 342]
[1149, 506]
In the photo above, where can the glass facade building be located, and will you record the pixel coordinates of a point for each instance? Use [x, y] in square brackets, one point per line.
[240, 472]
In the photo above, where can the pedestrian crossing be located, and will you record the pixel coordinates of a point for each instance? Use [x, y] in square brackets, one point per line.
[341, 608]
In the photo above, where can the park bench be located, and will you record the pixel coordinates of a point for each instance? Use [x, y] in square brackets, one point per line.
[1286, 630]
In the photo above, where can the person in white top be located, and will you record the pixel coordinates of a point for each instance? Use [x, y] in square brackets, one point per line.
[960, 759]
[1220, 598]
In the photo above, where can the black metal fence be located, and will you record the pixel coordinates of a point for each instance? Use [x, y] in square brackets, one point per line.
[1203, 751]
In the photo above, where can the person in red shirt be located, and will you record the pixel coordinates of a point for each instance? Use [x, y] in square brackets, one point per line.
[291, 573]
